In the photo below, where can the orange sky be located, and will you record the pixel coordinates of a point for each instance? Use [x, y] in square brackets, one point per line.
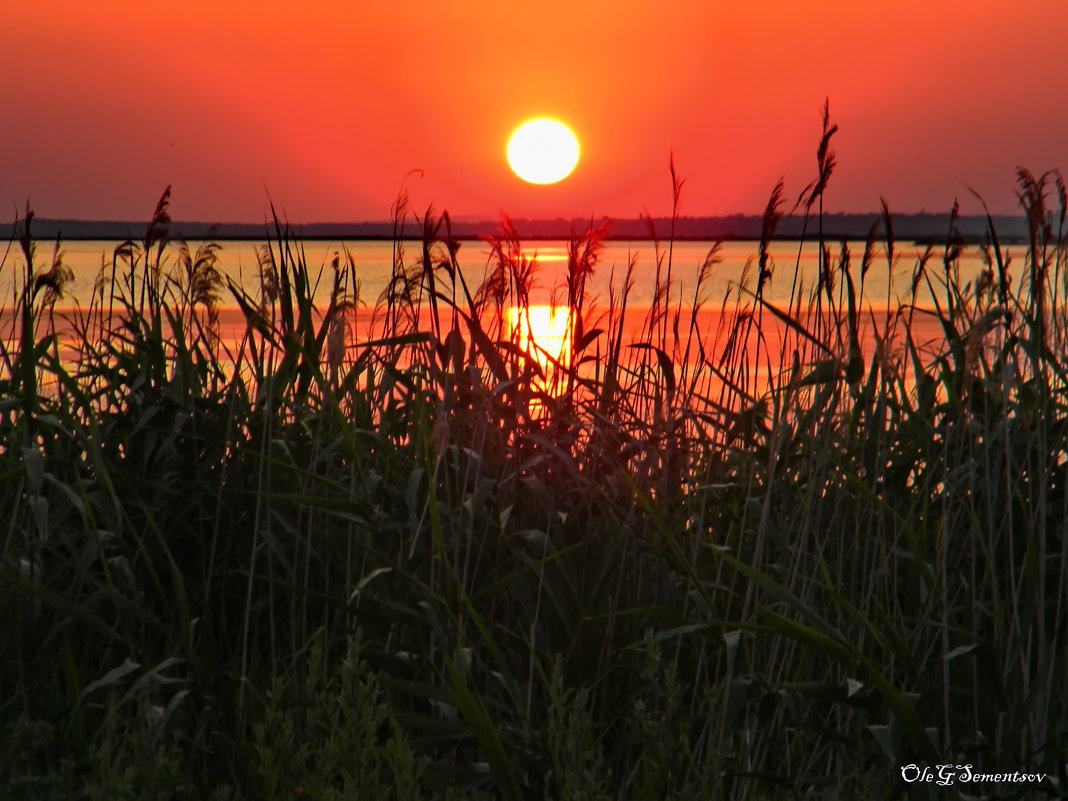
[328, 105]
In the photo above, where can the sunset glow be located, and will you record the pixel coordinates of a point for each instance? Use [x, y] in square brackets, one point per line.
[374, 92]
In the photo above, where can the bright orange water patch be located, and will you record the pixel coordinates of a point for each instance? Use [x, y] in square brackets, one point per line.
[541, 331]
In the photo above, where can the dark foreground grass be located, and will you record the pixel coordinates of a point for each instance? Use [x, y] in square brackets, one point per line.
[409, 562]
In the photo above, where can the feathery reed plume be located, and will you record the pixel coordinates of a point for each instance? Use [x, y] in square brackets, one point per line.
[1031, 194]
[54, 280]
[768, 223]
[825, 163]
[510, 273]
[202, 279]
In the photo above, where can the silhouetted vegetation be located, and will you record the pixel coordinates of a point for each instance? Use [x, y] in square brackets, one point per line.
[777, 558]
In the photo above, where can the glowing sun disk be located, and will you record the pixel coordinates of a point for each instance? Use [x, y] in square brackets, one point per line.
[543, 151]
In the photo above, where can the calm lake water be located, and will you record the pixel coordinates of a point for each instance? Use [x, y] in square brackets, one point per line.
[884, 287]
[373, 262]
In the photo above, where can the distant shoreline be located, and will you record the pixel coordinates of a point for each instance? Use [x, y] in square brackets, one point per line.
[921, 228]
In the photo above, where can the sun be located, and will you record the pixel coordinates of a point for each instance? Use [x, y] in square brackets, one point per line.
[543, 151]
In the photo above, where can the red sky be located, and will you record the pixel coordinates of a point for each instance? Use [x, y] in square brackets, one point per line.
[329, 105]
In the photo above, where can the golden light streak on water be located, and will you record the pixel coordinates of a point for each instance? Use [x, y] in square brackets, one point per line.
[542, 332]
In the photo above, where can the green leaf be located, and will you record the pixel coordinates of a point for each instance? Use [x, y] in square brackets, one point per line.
[113, 676]
[488, 737]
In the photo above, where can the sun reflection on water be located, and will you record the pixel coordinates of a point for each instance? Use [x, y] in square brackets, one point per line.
[543, 332]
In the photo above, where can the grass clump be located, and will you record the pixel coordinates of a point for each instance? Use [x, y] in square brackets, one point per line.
[780, 554]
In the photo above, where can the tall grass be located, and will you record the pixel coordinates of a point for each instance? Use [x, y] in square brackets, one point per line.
[777, 557]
